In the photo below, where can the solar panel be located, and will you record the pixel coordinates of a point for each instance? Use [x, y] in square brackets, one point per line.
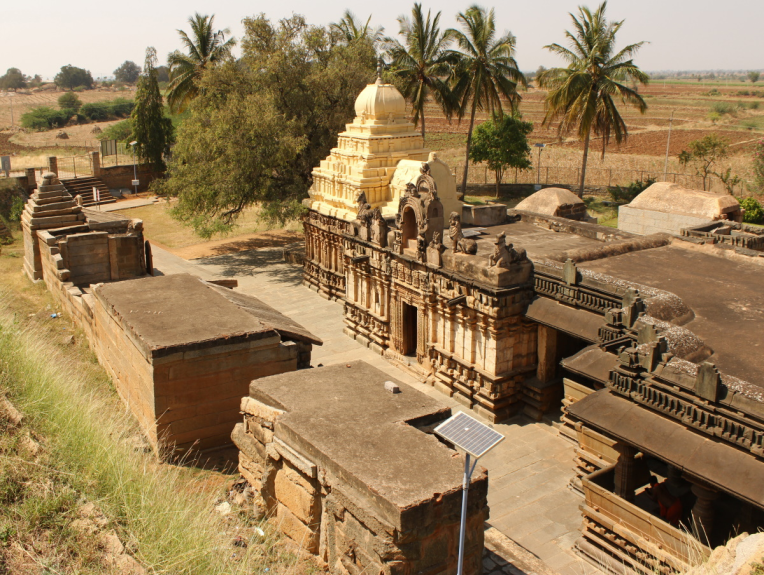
[469, 434]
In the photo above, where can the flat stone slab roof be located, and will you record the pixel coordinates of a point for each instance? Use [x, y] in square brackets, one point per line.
[726, 296]
[342, 418]
[537, 241]
[169, 314]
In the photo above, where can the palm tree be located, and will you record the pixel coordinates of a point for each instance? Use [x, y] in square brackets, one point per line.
[585, 93]
[423, 64]
[352, 29]
[486, 71]
[204, 47]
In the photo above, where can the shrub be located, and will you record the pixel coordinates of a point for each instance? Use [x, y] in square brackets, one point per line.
[69, 101]
[45, 118]
[102, 111]
[754, 214]
[626, 195]
[754, 105]
[122, 107]
[96, 111]
[121, 131]
[758, 165]
[722, 108]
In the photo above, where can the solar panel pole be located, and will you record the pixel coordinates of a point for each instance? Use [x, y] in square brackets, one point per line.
[463, 526]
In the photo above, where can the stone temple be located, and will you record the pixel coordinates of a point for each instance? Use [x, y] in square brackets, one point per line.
[644, 337]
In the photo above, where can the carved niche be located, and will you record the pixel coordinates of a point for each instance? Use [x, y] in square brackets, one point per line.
[420, 212]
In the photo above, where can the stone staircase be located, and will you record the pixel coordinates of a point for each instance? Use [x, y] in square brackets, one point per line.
[84, 187]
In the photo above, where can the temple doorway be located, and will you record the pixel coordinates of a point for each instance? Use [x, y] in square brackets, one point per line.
[409, 329]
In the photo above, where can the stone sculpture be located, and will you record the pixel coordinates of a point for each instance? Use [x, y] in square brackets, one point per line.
[458, 242]
[504, 254]
[378, 228]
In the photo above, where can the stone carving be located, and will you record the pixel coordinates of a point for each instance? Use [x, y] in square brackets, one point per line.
[378, 229]
[425, 183]
[421, 247]
[458, 242]
[50, 179]
[504, 254]
[435, 250]
[364, 209]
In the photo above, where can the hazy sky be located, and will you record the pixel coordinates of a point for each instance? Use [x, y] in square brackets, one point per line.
[39, 36]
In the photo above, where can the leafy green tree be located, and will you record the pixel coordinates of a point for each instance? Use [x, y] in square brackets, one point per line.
[13, 79]
[351, 29]
[502, 143]
[486, 71]
[69, 101]
[163, 74]
[754, 76]
[128, 72]
[422, 62]
[205, 48]
[260, 125]
[71, 77]
[584, 95]
[151, 128]
[704, 154]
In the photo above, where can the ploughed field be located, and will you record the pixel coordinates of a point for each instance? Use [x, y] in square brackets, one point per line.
[699, 109]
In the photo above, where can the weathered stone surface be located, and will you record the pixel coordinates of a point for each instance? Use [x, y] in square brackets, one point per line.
[304, 505]
[288, 523]
[554, 202]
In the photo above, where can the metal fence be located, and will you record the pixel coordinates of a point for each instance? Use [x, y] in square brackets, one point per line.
[595, 177]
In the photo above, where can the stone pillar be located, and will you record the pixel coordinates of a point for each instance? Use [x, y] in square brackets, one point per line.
[674, 477]
[547, 353]
[625, 472]
[31, 180]
[703, 511]
[53, 164]
[95, 161]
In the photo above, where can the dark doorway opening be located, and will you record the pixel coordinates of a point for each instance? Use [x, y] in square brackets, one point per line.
[409, 329]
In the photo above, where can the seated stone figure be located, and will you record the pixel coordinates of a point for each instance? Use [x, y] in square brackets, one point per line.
[364, 209]
[504, 254]
[458, 242]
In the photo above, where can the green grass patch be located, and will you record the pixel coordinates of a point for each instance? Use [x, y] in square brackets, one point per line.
[164, 513]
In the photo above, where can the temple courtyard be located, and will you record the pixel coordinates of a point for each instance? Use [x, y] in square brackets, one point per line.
[529, 472]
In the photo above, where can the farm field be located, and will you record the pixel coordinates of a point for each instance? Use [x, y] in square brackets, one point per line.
[696, 108]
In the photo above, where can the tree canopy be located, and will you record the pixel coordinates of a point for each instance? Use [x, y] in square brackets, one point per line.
[704, 154]
[486, 72]
[422, 62]
[151, 128]
[584, 95]
[502, 143]
[71, 77]
[205, 47]
[351, 29]
[128, 72]
[261, 124]
[13, 79]
[69, 101]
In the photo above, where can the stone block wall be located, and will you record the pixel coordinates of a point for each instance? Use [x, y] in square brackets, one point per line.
[646, 222]
[122, 177]
[329, 517]
[190, 398]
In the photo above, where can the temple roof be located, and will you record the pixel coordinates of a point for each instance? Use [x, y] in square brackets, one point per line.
[378, 101]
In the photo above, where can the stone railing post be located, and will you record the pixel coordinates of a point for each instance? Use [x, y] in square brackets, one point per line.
[53, 164]
[31, 180]
[95, 161]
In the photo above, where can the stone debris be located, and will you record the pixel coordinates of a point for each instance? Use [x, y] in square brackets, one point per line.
[9, 412]
[62, 135]
[93, 522]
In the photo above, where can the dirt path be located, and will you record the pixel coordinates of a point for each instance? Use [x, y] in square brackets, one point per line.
[241, 243]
